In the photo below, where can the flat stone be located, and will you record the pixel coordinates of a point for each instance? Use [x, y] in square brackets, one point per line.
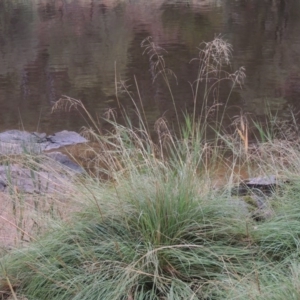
[17, 142]
[14, 135]
[63, 138]
[267, 180]
[259, 185]
[14, 142]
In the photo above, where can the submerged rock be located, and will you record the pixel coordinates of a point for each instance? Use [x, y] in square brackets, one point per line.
[262, 181]
[259, 207]
[257, 194]
[257, 185]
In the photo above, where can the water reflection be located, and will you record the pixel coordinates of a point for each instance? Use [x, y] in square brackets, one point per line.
[72, 47]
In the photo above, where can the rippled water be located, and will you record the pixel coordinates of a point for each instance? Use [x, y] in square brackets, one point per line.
[80, 48]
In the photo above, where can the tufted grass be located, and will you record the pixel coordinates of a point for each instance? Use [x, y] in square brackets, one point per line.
[162, 229]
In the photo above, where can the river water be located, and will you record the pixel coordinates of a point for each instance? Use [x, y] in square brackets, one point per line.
[81, 48]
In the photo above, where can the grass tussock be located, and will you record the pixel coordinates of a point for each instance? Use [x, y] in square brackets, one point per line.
[156, 223]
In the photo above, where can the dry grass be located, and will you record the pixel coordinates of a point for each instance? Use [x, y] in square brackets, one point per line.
[19, 220]
[50, 198]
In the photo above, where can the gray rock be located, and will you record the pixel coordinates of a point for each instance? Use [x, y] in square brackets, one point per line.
[65, 161]
[49, 176]
[18, 142]
[259, 206]
[29, 181]
[262, 181]
[40, 137]
[239, 206]
[11, 136]
[54, 167]
[261, 186]
[64, 138]
[257, 193]
[2, 186]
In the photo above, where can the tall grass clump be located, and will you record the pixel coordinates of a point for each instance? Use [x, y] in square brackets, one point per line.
[154, 224]
[159, 238]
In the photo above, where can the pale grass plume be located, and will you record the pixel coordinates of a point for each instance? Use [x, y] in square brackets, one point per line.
[158, 67]
[66, 103]
[165, 137]
[242, 128]
[156, 58]
[214, 59]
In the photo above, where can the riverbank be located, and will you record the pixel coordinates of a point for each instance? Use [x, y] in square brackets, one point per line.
[165, 212]
[161, 225]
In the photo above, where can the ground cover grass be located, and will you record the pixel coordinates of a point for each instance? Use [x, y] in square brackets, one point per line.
[156, 223]
[162, 230]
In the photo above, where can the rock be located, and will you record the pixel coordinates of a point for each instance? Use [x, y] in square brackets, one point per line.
[63, 138]
[65, 161]
[239, 206]
[256, 193]
[48, 176]
[15, 177]
[18, 142]
[258, 206]
[50, 171]
[262, 181]
[3, 185]
[40, 137]
[12, 136]
[257, 185]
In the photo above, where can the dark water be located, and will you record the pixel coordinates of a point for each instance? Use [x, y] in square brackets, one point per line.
[78, 48]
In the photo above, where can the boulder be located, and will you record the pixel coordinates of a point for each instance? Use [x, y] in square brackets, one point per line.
[51, 170]
[18, 142]
[17, 178]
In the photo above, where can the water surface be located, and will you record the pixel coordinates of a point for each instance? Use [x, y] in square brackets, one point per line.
[80, 48]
